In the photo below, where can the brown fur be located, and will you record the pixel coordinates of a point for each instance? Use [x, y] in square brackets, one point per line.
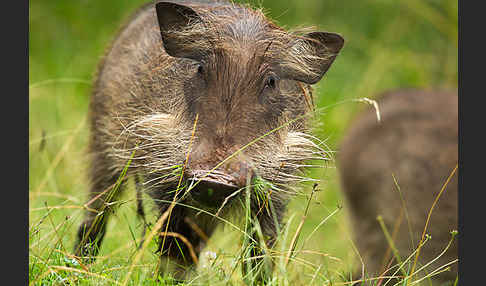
[416, 142]
[227, 65]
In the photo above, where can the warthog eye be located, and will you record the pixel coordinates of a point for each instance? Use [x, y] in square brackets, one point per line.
[200, 69]
[271, 82]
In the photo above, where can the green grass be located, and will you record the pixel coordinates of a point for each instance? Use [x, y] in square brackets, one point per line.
[389, 45]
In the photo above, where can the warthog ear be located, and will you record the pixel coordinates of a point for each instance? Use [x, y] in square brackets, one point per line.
[180, 27]
[310, 56]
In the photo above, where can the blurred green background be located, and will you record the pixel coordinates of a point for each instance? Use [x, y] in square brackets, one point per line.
[389, 44]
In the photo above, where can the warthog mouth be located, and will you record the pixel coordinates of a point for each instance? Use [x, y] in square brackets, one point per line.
[211, 188]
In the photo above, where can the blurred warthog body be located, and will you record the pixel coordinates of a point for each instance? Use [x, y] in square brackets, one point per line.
[195, 99]
[409, 154]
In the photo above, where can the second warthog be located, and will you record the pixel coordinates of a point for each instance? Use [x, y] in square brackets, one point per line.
[392, 171]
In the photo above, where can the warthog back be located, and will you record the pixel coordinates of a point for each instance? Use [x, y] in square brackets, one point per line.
[409, 154]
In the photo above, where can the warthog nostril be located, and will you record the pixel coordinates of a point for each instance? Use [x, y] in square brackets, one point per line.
[211, 188]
